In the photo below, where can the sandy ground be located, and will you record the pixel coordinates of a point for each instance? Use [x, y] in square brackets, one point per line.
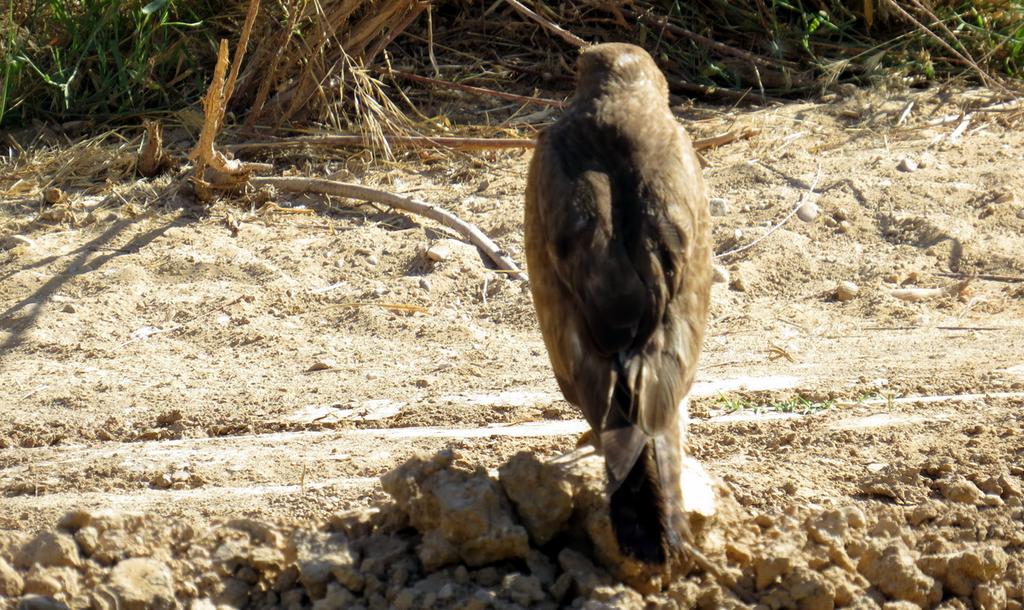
[154, 361]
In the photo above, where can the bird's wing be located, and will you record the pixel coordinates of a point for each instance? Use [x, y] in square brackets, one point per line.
[589, 256]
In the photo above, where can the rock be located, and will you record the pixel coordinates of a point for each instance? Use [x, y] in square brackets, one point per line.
[36, 602]
[52, 582]
[340, 598]
[53, 195]
[11, 583]
[961, 490]
[720, 275]
[13, 241]
[990, 597]
[1020, 213]
[718, 206]
[809, 589]
[582, 571]
[846, 291]
[523, 590]
[142, 583]
[891, 569]
[772, 565]
[964, 571]
[468, 509]
[322, 364]
[318, 555]
[49, 549]
[439, 252]
[907, 164]
[808, 211]
[543, 498]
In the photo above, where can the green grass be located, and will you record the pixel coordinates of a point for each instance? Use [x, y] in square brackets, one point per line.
[99, 58]
[812, 41]
[797, 404]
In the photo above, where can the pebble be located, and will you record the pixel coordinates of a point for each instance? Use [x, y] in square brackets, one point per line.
[13, 241]
[1020, 214]
[807, 212]
[439, 252]
[322, 364]
[907, 164]
[720, 275]
[719, 206]
[846, 291]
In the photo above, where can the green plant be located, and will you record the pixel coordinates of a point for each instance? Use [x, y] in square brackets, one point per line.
[101, 57]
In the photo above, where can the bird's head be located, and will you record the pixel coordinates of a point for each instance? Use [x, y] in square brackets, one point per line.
[618, 68]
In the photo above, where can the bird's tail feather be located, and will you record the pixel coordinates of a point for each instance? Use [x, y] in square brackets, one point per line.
[638, 511]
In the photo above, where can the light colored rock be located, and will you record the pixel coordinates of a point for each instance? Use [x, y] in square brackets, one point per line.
[808, 211]
[142, 583]
[962, 490]
[719, 206]
[541, 494]
[49, 549]
[52, 582]
[468, 508]
[846, 291]
[891, 569]
[907, 164]
[720, 274]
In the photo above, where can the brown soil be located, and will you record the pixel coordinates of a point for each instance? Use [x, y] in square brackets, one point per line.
[225, 405]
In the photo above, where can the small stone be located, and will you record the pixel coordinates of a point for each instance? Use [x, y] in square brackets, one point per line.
[11, 583]
[322, 364]
[439, 252]
[425, 284]
[719, 206]
[68, 308]
[36, 602]
[52, 195]
[907, 164]
[142, 583]
[1020, 213]
[50, 582]
[807, 212]
[963, 491]
[372, 260]
[523, 590]
[404, 600]
[13, 241]
[846, 291]
[720, 275]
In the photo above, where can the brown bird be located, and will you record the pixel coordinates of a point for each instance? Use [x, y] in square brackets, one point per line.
[618, 247]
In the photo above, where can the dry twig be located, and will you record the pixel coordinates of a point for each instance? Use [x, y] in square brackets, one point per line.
[478, 90]
[915, 295]
[555, 29]
[421, 208]
[357, 141]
